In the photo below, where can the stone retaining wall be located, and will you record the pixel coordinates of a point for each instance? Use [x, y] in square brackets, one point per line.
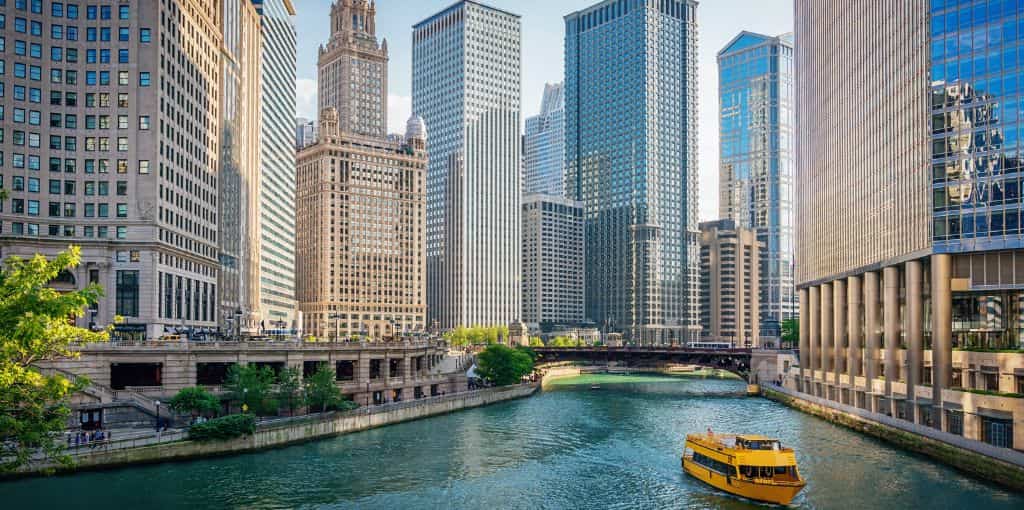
[287, 431]
[967, 460]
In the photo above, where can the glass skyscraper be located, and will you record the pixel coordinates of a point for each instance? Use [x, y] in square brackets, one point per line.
[631, 158]
[277, 159]
[544, 145]
[755, 91]
[466, 87]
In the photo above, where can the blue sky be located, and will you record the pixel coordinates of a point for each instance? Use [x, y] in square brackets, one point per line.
[543, 38]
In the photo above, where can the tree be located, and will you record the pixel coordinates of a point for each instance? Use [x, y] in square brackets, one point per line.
[195, 401]
[34, 327]
[289, 389]
[250, 386]
[323, 393]
[535, 341]
[502, 365]
[791, 331]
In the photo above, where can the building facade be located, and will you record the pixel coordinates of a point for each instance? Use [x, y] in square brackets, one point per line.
[756, 158]
[466, 86]
[132, 98]
[631, 159]
[906, 203]
[360, 233]
[552, 261]
[240, 160]
[305, 133]
[730, 262]
[544, 145]
[352, 70]
[277, 167]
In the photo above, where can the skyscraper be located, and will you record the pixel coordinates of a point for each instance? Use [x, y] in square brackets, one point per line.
[908, 207]
[305, 132]
[544, 145]
[240, 183]
[360, 236]
[466, 86]
[132, 163]
[631, 158]
[552, 261]
[352, 70]
[755, 91]
[729, 281]
[277, 165]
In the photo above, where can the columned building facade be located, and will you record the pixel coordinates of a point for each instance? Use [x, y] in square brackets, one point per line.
[466, 76]
[908, 269]
[631, 159]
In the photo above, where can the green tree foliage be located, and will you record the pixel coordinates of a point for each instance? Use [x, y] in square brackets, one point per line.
[195, 401]
[564, 341]
[502, 365]
[528, 351]
[323, 394]
[34, 327]
[251, 386]
[476, 335]
[225, 427]
[791, 331]
[535, 341]
[289, 388]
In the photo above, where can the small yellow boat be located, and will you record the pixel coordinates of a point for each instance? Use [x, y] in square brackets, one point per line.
[751, 466]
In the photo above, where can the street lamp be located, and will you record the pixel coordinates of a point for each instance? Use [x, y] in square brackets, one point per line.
[238, 322]
[158, 416]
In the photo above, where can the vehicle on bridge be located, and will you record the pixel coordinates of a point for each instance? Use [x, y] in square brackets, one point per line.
[752, 466]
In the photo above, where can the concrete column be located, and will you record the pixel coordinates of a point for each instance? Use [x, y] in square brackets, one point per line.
[805, 357]
[826, 330]
[915, 325]
[838, 329]
[814, 329]
[942, 325]
[854, 295]
[891, 327]
[871, 329]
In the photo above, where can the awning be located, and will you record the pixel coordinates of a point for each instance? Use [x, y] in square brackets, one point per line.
[995, 413]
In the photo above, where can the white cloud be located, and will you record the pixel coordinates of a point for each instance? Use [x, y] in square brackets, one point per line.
[305, 98]
[399, 111]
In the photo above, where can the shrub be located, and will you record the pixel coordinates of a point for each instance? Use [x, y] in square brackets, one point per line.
[225, 427]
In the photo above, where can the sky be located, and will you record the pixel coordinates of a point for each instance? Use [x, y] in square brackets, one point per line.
[543, 32]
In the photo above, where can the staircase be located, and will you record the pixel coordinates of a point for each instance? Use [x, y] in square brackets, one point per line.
[107, 395]
[454, 362]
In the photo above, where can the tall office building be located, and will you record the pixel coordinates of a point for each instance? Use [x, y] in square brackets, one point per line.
[730, 259]
[756, 158]
[908, 205]
[552, 261]
[466, 86]
[360, 236]
[360, 239]
[132, 101]
[305, 132]
[631, 158]
[277, 167]
[544, 145]
[352, 70]
[239, 176]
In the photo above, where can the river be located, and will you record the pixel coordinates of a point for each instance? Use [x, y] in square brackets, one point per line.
[569, 447]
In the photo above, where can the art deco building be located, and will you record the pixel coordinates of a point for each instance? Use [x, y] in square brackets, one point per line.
[631, 159]
[352, 74]
[277, 167]
[755, 91]
[552, 261]
[360, 233]
[908, 203]
[127, 162]
[544, 145]
[730, 260]
[466, 85]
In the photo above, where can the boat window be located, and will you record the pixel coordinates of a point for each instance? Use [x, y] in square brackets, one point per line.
[713, 464]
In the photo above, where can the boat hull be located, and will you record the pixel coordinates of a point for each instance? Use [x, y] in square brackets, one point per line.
[778, 494]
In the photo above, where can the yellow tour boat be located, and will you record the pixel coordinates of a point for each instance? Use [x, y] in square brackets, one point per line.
[751, 466]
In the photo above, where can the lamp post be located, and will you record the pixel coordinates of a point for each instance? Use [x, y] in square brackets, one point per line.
[238, 323]
[367, 394]
[157, 416]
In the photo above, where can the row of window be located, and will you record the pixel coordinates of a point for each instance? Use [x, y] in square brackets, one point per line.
[69, 209]
[70, 121]
[70, 10]
[18, 183]
[61, 54]
[71, 32]
[35, 95]
[70, 76]
[32, 162]
[88, 231]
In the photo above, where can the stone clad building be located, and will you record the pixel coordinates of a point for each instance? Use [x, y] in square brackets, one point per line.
[730, 263]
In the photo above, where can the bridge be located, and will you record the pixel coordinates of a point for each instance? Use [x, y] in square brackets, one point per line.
[737, 361]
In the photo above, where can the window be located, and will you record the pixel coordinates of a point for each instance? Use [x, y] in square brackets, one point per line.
[122, 188]
[123, 34]
[55, 186]
[127, 302]
[122, 57]
[122, 123]
[145, 35]
[144, 122]
[144, 166]
[122, 232]
[122, 210]
[144, 79]
[122, 12]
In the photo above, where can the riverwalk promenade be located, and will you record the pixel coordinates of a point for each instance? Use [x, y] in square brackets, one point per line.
[174, 445]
